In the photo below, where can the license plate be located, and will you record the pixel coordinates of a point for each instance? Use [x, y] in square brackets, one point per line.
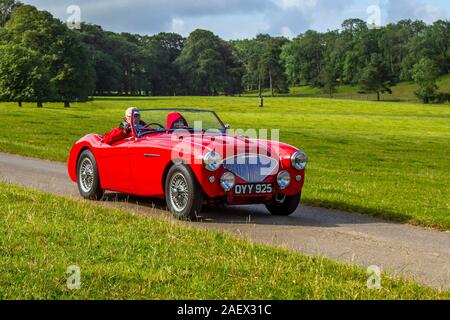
[253, 189]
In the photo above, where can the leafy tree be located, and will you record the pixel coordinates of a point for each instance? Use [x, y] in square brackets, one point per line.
[23, 75]
[205, 62]
[73, 75]
[126, 49]
[437, 41]
[263, 66]
[200, 62]
[304, 58]
[354, 27]
[272, 62]
[6, 9]
[133, 64]
[161, 51]
[359, 45]
[414, 46]
[292, 60]
[107, 73]
[328, 79]
[107, 67]
[234, 71]
[425, 75]
[376, 77]
[172, 43]
[395, 45]
[67, 62]
[248, 53]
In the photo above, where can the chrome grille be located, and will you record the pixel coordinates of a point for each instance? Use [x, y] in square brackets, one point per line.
[252, 168]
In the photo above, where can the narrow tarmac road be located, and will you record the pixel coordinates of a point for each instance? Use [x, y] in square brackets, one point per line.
[408, 251]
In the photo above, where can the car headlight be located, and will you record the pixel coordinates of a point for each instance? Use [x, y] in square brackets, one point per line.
[227, 181]
[299, 160]
[284, 179]
[212, 161]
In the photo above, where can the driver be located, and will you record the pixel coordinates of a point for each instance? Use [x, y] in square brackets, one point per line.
[138, 123]
[124, 130]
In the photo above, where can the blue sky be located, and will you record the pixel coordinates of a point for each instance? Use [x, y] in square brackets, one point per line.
[233, 19]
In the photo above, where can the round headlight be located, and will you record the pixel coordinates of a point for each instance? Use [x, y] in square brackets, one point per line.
[212, 161]
[299, 160]
[227, 181]
[284, 179]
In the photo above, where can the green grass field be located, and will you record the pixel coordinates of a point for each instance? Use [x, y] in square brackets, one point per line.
[126, 256]
[386, 159]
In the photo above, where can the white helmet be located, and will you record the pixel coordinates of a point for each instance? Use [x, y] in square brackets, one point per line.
[129, 112]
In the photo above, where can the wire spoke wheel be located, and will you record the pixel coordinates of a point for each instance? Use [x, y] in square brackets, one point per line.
[88, 179]
[179, 192]
[86, 175]
[184, 197]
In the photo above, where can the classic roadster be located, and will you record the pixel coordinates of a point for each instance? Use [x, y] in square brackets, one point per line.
[190, 162]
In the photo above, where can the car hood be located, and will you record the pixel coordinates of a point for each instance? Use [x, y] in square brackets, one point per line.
[226, 145]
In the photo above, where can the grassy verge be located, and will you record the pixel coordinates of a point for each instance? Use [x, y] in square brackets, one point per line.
[125, 256]
[386, 159]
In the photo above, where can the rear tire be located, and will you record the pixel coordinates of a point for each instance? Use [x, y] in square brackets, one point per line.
[87, 177]
[286, 207]
[184, 197]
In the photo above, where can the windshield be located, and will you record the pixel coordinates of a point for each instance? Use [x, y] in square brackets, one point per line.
[157, 120]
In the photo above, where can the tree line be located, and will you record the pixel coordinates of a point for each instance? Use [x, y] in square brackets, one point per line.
[373, 59]
[41, 60]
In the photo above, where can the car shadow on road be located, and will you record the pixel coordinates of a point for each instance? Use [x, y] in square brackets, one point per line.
[251, 215]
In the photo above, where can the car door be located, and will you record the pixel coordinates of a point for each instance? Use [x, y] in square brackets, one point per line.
[114, 166]
[149, 156]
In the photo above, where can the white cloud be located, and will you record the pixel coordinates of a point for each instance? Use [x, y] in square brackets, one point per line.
[287, 32]
[432, 13]
[414, 9]
[239, 18]
[298, 4]
[178, 25]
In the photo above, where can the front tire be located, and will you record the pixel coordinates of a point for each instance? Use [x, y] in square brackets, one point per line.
[87, 177]
[184, 197]
[286, 207]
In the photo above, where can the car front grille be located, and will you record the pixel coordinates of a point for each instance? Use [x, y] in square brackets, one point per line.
[252, 168]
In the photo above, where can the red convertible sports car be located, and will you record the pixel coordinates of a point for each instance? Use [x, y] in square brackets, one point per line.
[190, 158]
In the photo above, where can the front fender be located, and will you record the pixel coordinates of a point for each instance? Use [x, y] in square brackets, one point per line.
[87, 142]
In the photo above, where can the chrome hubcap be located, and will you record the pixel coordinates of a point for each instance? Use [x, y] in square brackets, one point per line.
[86, 175]
[179, 192]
